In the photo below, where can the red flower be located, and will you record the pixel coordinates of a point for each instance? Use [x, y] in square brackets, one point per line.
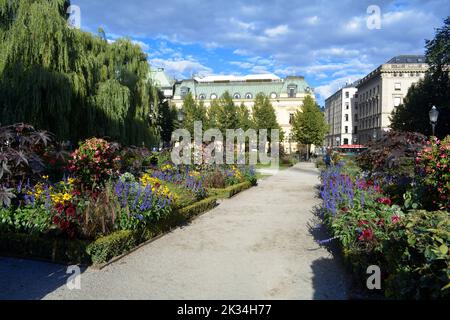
[70, 211]
[56, 220]
[64, 225]
[385, 201]
[344, 209]
[59, 207]
[395, 219]
[367, 234]
[363, 223]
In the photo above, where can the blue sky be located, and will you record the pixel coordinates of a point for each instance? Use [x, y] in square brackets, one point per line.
[326, 41]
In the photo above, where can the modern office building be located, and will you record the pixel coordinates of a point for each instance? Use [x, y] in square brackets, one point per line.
[342, 117]
[384, 89]
[286, 95]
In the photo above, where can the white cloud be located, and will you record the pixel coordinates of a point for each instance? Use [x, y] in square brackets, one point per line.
[181, 68]
[277, 31]
[145, 47]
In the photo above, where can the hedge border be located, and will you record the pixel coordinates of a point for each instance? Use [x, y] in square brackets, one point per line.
[107, 249]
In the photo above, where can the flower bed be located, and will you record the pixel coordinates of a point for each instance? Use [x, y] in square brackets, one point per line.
[109, 199]
[409, 245]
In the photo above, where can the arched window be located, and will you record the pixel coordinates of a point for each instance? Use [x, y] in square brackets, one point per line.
[202, 96]
[236, 96]
[273, 95]
[213, 96]
[248, 96]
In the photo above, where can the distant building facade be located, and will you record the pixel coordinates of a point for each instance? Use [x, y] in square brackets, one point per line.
[286, 95]
[342, 117]
[384, 89]
[361, 112]
[163, 81]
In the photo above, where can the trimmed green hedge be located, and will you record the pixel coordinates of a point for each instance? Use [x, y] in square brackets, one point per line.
[232, 190]
[53, 249]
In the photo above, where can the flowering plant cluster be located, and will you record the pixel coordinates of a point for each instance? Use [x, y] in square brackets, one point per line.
[434, 166]
[411, 247]
[94, 162]
[142, 203]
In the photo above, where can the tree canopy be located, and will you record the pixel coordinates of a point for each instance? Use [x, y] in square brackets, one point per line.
[433, 90]
[309, 125]
[71, 82]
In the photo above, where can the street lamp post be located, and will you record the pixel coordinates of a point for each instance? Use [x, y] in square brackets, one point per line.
[181, 116]
[433, 114]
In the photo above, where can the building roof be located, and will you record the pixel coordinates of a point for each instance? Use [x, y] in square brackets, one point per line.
[161, 79]
[232, 78]
[407, 59]
[253, 84]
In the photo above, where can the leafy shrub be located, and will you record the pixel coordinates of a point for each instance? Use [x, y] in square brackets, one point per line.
[134, 159]
[393, 154]
[94, 163]
[411, 248]
[434, 168]
[417, 254]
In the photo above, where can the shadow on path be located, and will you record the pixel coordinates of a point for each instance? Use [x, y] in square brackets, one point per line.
[30, 280]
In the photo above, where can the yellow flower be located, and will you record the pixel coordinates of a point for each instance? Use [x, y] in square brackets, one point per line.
[66, 197]
[45, 177]
[70, 181]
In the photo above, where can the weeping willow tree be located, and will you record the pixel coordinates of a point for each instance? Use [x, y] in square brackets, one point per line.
[70, 82]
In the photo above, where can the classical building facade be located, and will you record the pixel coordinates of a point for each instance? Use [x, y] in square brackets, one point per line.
[384, 89]
[286, 95]
[342, 117]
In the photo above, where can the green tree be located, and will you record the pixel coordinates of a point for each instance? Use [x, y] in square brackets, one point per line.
[309, 125]
[213, 114]
[193, 111]
[434, 89]
[244, 117]
[227, 117]
[264, 116]
[167, 122]
[71, 82]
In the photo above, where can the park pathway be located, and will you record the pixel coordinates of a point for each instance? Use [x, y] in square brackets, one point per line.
[257, 245]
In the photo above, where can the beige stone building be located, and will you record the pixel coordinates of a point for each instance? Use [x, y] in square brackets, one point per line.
[286, 95]
[341, 117]
[384, 89]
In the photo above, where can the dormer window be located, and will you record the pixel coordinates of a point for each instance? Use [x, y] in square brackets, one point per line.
[184, 91]
[236, 96]
[292, 91]
[273, 95]
[213, 96]
[248, 96]
[202, 96]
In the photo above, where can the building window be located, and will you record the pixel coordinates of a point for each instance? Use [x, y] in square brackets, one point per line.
[355, 130]
[292, 91]
[202, 96]
[273, 95]
[213, 96]
[346, 117]
[291, 118]
[346, 129]
[356, 117]
[398, 86]
[345, 140]
[347, 94]
[184, 91]
[248, 96]
[347, 106]
[236, 96]
[397, 101]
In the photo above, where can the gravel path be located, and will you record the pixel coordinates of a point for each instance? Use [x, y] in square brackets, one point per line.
[257, 245]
